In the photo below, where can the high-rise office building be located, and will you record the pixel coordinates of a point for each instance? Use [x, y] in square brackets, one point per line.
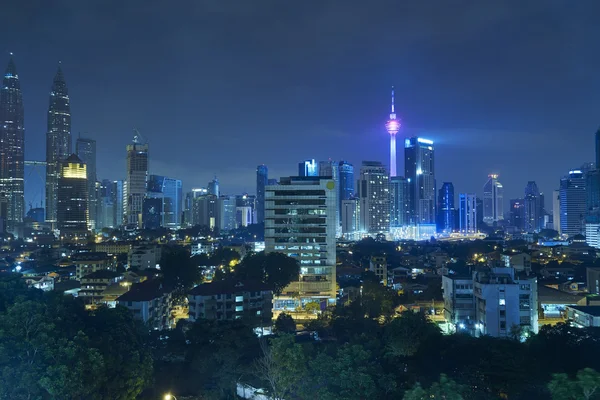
[207, 211]
[592, 189]
[419, 172]
[493, 206]
[12, 146]
[346, 182]
[152, 213]
[245, 209]
[189, 216]
[556, 210]
[262, 178]
[392, 126]
[534, 214]
[58, 140]
[398, 201]
[300, 221]
[119, 201]
[86, 151]
[137, 180]
[106, 213]
[329, 168]
[446, 210]
[169, 191]
[374, 195]
[467, 221]
[213, 187]
[572, 203]
[350, 215]
[308, 168]
[517, 213]
[228, 213]
[72, 207]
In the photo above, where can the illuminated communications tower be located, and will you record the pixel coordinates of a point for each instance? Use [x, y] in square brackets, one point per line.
[392, 126]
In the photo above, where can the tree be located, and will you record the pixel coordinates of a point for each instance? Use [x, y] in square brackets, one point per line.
[378, 301]
[219, 353]
[285, 324]
[404, 335]
[51, 348]
[445, 389]
[312, 308]
[586, 386]
[178, 269]
[283, 367]
[276, 270]
[350, 375]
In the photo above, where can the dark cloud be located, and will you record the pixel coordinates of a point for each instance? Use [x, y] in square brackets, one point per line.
[220, 86]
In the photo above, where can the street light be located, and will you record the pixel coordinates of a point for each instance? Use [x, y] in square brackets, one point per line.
[169, 396]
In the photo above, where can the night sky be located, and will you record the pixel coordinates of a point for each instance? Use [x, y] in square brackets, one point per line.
[219, 86]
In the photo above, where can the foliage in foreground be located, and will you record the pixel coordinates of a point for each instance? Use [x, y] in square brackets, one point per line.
[52, 348]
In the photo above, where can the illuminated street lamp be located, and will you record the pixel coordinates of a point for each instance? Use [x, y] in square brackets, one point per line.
[169, 396]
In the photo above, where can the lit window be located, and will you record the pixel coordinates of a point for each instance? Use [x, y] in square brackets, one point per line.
[502, 302]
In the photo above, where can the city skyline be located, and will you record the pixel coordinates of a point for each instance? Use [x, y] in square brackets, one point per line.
[476, 115]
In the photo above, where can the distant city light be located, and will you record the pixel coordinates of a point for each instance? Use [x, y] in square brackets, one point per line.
[424, 141]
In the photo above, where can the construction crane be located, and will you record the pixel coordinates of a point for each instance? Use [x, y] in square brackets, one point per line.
[138, 138]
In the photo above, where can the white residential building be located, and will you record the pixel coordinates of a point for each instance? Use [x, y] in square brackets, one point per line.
[300, 221]
[503, 301]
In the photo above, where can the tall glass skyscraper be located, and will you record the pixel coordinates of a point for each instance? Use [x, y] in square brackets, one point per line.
[86, 151]
[308, 168]
[534, 215]
[467, 221]
[374, 196]
[572, 203]
[137, 179]
[346, 184]
[493, 195]
[72, 207]
[12, 147]
[517, 213]
[446, 211]
[170, 192]
[398, 201]
[419, 171]
[262, 178]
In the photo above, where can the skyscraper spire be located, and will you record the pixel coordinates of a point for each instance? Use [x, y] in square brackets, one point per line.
[12, 145]
[393, 126]
[58, 139]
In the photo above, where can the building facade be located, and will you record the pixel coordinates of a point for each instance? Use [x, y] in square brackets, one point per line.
[572, 203]
[137, 180]
[399, 212]
[346, 182]
[419, 171]
[505, 304]
[308, 168]
[534, 208]
[300, 221]
[58, 141]
[170, 193]
[517, 214]
[262, 177]
[72, 207]
[86, 151]
[467, 220]
[227, 301]
[12, 147]
[446, 209]
[493, 197]
[374, 196]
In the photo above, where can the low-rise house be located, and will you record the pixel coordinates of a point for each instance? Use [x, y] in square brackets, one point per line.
[86, 263]
[145, 256]
[584, 316]
[228, 300]
[44, 282]
[150, 301]
[93, 285]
